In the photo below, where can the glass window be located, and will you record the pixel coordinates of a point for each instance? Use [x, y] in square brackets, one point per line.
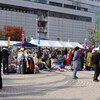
[55, 4]
[69, 16]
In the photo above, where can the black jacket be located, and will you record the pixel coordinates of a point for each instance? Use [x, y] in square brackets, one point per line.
[96, 59]
[5, 54]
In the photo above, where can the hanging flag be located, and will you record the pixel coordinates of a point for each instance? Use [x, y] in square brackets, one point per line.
[23, 38]
[96, 26]
[8, 41]
[38, 39]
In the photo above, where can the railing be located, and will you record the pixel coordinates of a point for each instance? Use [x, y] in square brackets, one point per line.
[42, 29]
[42, 18]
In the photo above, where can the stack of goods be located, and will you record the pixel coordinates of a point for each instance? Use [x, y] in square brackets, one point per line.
[26, 65]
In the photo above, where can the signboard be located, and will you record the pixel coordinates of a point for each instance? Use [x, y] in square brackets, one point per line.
[23, 38]
[38, 39]
[96, 26]
[8, 41]
[99, 26]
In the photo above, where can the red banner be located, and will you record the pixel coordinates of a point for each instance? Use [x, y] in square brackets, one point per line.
[23, 38]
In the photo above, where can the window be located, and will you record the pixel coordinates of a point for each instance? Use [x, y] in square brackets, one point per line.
[38, 1]
[18, 9]
[55, 4]
[69, 6]
[70, 16]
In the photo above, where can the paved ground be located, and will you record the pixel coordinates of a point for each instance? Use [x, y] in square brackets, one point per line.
[50, 86]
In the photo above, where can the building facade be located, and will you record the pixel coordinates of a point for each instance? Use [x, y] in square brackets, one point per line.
[67, 20]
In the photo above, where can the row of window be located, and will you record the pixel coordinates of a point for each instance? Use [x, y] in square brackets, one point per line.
[35, 11]
[18, 9]
[59, 4]
[38, 1]
[67, 6]
[70, 16]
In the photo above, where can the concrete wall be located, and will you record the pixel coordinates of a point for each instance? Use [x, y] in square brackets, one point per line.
[27, 21]
[68, 29]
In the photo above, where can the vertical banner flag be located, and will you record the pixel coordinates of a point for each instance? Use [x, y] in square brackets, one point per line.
[38, 39]
[96, 26]
[8, 41]
[23, 38]
[99, 26]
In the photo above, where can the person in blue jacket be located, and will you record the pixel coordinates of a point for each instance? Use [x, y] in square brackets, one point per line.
[76, 62]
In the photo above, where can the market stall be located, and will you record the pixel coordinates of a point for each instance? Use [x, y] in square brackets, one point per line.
[25, 59]
[56, 44]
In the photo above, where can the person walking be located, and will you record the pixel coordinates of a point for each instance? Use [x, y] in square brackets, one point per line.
[39, 54]
[96, 65]
[0, 69]
[5, 54]
[89, 60]
[45, 54]
[76, 63]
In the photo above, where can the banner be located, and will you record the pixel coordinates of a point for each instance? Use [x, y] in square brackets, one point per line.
[38, 39]
[96, 26]
[99, 26]
[23, 38]
[8, 41]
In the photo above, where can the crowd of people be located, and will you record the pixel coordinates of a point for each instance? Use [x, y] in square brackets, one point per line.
[77, 58]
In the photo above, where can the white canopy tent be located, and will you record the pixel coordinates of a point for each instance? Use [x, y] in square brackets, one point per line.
[43, 43]
[96, 49]
[5, 43]
[66, 44]
[56, 44]
[75, 44]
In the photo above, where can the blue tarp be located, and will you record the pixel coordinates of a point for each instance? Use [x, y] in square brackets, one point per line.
[25, 44]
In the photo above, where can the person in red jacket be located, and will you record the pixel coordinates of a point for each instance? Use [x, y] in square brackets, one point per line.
[69, 56]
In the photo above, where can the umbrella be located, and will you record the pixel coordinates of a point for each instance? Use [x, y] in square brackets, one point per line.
[25, 44]
[87, 46]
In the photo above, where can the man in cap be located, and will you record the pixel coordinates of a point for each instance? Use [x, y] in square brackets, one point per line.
[96, 64]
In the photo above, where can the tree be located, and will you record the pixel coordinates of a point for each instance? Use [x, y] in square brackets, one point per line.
[1, 34]
[14, 32]
[92, 40]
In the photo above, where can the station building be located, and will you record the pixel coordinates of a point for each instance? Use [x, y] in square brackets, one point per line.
[66, 20]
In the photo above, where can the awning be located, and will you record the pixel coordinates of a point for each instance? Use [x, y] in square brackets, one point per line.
[66, 44]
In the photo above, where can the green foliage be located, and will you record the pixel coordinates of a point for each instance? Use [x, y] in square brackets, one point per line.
[1, 34]
[91, 38]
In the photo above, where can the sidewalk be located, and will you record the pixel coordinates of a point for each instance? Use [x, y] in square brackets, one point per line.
[50, 86]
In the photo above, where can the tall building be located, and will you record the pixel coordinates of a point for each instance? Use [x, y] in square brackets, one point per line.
[68, 20]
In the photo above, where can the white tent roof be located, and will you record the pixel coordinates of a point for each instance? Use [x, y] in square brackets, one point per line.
[56, 44]
[66, 44]
[75, 44]
[96, 48]
[43, 43]
[5, 43]
[33, 42]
